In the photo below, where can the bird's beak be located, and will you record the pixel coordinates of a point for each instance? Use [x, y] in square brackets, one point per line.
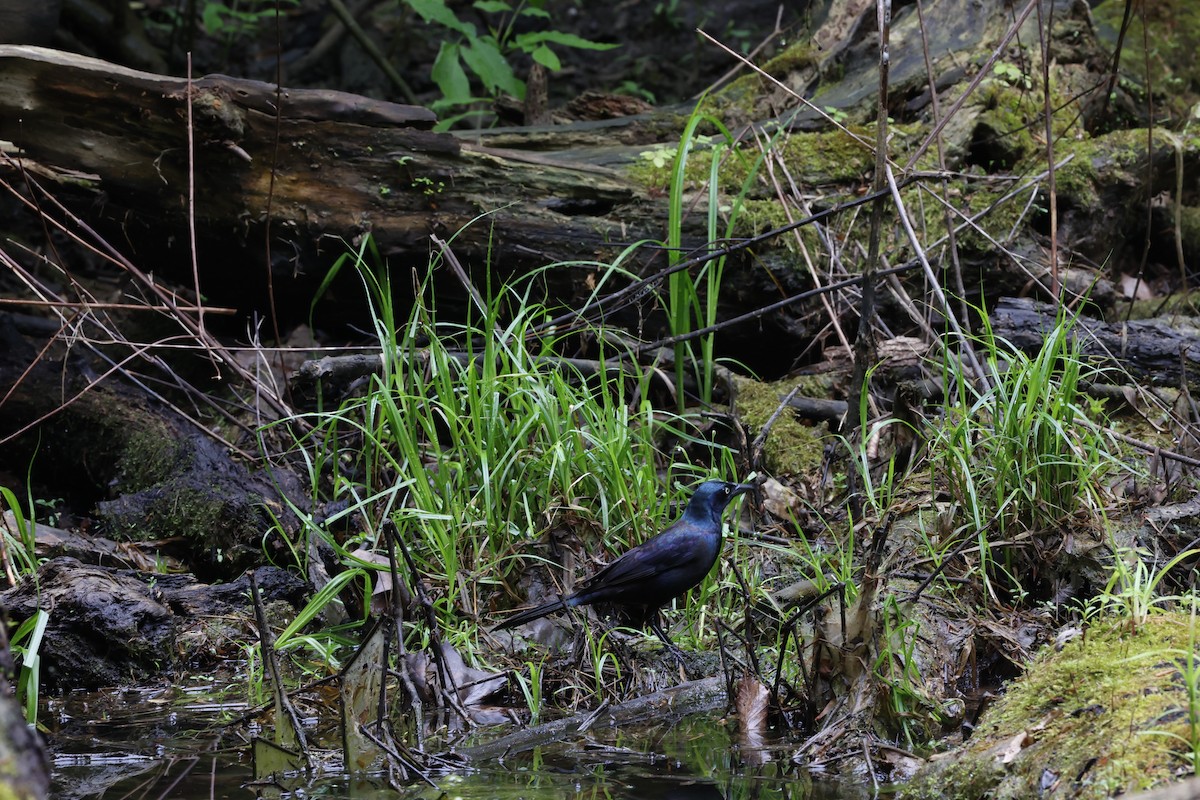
[742, 488]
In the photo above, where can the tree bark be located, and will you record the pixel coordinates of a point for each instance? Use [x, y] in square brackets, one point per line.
[328, 168]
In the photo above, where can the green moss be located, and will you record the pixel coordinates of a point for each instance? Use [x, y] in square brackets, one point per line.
[1108, 714]
[970, 199]
[1075, 181]
[971, 776]
[739, 102]
[817, 159]
[797, 56]
[1117, 156]
[142, 446]
[1004, 130]
[791, 448]
[150, 456]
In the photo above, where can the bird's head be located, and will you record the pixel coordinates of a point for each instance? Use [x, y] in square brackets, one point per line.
[711, 497]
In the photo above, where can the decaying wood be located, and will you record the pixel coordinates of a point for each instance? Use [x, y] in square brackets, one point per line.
[110, 624]
[327, 168]
[672, 703]
[1154, 351]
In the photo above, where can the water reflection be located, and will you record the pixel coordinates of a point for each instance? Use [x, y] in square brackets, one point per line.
[154, 744]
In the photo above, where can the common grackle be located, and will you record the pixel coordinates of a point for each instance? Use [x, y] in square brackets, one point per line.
[659, 569]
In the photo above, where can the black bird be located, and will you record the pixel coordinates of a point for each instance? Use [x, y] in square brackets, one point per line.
[659, 569]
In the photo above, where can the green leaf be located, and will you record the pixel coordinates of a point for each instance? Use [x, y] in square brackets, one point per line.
[546, 57]
[535, 12]
[212, 18]
[492, 6]
[484, 58]
[449, 75]
[529, 41]
[437, 11]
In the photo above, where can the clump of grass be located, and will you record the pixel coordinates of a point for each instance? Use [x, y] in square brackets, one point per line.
[477, 438]
[691, 301]
[1019, 451]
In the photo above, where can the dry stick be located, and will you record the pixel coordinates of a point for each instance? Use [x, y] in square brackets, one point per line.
[80, 305]
[907, 303]
[329, 40]
[448, 686]
[955, 262]
[746, 597]
[1048, 113]
[396, 755]
[767, 309]
[642, 285]
[778, 31]
[938, 294]
[1178, 147]
[399, 589]
[164, 295]
[767, 76]
[372, 49]
[267, 644]
[770, 160]
[790, 625]
[281, 362]
[968, 222]
[864, 343]
[144, 350]
[1149, 165]
[136, 351]
[984, 71]
[972, 221]
[461, 274]
[191, 216]
[1126, 18]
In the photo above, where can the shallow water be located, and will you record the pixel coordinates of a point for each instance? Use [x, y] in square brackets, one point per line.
[171, 742]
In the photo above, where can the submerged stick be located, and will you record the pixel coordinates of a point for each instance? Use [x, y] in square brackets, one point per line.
[675, 702]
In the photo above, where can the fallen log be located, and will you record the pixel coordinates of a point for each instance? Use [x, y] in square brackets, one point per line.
[1151, 351]
[315, 169]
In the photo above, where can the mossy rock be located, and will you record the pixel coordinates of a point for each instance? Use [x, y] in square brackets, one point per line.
[1107, 713]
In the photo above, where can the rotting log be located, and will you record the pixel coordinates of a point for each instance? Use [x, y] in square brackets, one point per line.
[328, 168]
[1152, 351]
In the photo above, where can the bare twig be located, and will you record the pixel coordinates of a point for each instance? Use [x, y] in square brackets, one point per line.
[938, 294]
[864, 342]
[641, 287]
[1048, 114]
[1126, 18]
[791, 92]
[368, 45]
[772, 161]
[955, 263]
[82, 305]
[191, 219]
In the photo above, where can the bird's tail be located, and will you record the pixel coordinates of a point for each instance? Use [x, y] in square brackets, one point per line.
[530, 614]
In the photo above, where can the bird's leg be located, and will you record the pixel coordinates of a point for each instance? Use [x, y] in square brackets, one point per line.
[656, 626]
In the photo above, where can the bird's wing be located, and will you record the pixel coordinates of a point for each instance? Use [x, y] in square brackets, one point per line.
[649, 559]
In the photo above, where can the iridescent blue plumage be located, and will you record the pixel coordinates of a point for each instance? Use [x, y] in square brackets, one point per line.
[649, 576]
